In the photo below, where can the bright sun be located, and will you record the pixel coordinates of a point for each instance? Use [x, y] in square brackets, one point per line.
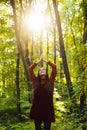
[36, 18]
[34, 21]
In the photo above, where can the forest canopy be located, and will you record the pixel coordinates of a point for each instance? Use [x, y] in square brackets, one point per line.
[58, 30]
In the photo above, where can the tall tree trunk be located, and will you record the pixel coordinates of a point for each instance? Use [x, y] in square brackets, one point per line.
[63, 54]
[54, 33]
[55, 43]
[47, 48]
[27, 52]
[17, 32]
[32, 48]
[17, 87]
[82, 97]
[41, 44]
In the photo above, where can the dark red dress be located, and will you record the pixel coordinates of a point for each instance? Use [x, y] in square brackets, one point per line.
[42, 107]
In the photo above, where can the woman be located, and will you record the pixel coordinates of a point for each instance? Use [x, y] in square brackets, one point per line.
[42, 109]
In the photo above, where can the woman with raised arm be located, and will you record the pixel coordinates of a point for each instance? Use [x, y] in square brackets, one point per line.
[42, 109]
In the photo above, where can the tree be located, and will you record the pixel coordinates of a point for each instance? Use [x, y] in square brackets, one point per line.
[83, 61]
[18, 87]
[17, 32]
[63, 54]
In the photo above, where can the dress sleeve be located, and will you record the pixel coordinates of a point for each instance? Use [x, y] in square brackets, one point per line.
[53, 73]
[31, 72]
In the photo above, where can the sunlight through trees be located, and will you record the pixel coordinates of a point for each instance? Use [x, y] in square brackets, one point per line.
[58, 30]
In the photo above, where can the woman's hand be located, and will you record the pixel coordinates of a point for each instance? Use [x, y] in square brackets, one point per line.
[41, 59]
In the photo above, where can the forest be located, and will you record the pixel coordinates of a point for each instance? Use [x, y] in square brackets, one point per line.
[58, 30]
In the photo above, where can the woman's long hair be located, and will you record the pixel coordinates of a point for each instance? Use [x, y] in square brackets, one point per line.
[47, 83]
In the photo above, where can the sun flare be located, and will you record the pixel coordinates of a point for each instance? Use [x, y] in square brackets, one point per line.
[34, 21]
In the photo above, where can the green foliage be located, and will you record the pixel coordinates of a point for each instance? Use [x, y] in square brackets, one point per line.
[72, 16]
[84, 7]
[22, 126]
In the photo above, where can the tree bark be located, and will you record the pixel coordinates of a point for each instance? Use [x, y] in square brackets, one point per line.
[55, 43]
[20, 49]
[63, 54]
[41, 44]
[82, 97]
[17, 87]
[54, 32]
